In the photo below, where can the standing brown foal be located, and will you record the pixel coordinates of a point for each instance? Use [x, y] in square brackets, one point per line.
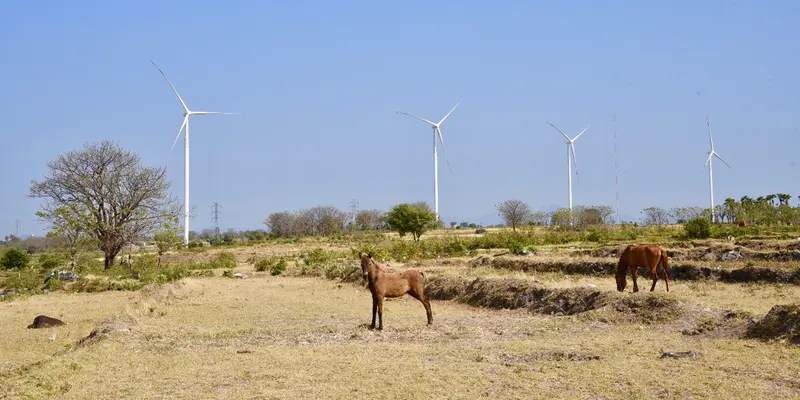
[383, 283]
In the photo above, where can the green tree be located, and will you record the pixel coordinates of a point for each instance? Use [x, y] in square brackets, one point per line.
[697, 228]
[68, 229]
[124, 200]
[167, 238]
[14, 259]
[411, 218]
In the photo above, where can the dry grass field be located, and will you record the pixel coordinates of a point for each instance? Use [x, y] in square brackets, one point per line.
[294, 336]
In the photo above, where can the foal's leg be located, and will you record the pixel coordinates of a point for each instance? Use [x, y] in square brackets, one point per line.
[374, 310]
[421, 297]
[380, 313]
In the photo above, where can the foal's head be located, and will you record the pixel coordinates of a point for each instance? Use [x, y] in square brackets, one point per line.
[366, 260]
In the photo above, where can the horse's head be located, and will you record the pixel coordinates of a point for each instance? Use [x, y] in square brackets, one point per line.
[366, 259]
[621, 281]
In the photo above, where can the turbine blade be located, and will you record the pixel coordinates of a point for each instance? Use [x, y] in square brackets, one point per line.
[710, 140]
[414, 116]
[579, 135]
[708, 161]
[173, 87]
[562, 133]
[185, 120]
[448, 114]
[574, 160]
[211, 112]
[441, 140]
[720, 158]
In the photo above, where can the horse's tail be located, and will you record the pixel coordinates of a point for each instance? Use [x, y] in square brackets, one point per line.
[664, 263]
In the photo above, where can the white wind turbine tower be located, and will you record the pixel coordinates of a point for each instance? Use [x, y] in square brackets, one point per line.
[186, 114]
[712, 153]
[570, 152]
[436, 132]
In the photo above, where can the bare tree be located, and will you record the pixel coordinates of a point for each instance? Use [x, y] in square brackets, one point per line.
[281, 224]
[655, 216]
[123, 200]
[369, 220]
[514, 212]
[540, 218]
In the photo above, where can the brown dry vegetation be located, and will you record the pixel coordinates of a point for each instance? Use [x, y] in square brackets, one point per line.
[502, 333]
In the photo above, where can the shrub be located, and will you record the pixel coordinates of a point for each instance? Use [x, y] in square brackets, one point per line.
[15, 259]
[225, 259]
[49, 262]
[697, 228]
[515, 247]
[278, 268]
[596, 236]
[477, 231]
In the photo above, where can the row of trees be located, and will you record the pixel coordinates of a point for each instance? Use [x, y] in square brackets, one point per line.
[772, 209]
[516, 213]
[323, 221]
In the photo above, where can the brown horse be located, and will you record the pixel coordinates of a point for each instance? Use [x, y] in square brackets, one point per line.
[634, 257]
[383, 283]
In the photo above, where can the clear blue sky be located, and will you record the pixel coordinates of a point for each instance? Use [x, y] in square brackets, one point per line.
[318, 84]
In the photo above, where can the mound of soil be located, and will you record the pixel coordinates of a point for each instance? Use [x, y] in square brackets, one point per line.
[760, 274]
[781, 322]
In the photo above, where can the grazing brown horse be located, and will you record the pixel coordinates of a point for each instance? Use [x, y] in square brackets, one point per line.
[650, 256]
[383, 283]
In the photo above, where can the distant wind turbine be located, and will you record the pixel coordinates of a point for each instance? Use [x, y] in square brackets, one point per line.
[570, 152]
[185, 124]
[712, 153]
[436, 132]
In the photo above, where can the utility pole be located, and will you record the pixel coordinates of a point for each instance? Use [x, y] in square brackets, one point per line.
[216, 212]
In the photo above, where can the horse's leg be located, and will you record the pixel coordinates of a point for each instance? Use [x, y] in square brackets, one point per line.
[654, 272]
[380, 313]
[634, 272]
[374, 310]
[666, 278]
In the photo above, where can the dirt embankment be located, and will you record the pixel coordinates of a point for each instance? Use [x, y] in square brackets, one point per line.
[711, 251]
[676, 270]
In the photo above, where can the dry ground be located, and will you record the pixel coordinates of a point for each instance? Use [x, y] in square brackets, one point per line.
[281, 337]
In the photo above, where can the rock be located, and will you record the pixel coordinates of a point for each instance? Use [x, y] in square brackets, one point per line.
[732, 255]
[240, 275]
[43, 321]
[680, 354]
[68, 276]
[9, 292]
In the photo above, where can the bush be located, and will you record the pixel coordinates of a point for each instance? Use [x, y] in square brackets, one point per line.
[278, 268]
[697, 228]
[225, 259]
[15, 259]
[515, 247]
[49, 262]
[275, 265]
[478, 231]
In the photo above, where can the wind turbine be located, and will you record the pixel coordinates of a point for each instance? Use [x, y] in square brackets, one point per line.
[186, 114]
[711, 153]
[570, 152]
[436, 132]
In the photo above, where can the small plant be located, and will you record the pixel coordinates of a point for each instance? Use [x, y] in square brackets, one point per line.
[15, 259]
[697, 228]
[49, 262]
